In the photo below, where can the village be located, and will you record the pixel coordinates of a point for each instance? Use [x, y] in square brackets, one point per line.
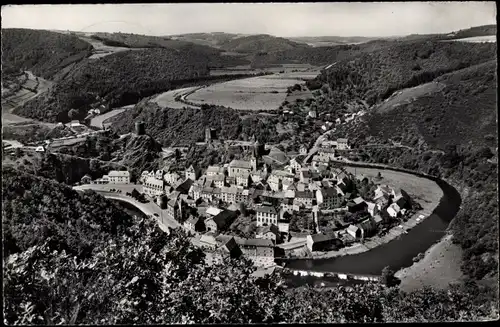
[266, 210]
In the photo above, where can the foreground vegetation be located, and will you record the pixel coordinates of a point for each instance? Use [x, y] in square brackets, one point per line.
[96, 265]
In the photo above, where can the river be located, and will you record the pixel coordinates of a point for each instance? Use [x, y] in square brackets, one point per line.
[398, 253]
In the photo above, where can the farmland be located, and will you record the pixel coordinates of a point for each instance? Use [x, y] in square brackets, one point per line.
[167, 99]
[98, 121]
[256, 93]
[102, 50]
[477, 39]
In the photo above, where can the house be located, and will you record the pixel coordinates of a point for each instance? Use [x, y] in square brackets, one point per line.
[269, 232]
[242, 195]
[239, 166]
[172, 178]
[328, 198]
[303, 150]
[357, 204]
[159, 174]
[74, 123]
[228, 194]
[183, 188]
[208, 241]
[195, 224]
[266, 215]
[354, 231]
[287, 204]
[342, 144]
[215, 170]
[86, 179]
[313, 113]
[221, 221]
[305, 197]
[208, 193]
[40, 148]
[393, 210]
[399, 193]
[367, 227]
[193, 172]
[381, 200]
[258, 176]
[212, 211]
[305, 175]
[216, 181]
[260, 251]
[119, 177]
[243, 179]
[372, 208]
[153, 186]
[229, 249]
[377, 219]
[195, 191]
[319, 160]
[280, 180]
[322, 242]
[297, 163]
[173, 209]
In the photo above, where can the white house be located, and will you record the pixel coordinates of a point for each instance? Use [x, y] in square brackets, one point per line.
[393, 210]
[239, 166]
[214, 170]
[153, 186]
[280, 180]
[119, 177]
[40, 149]
[266, 215]
[342, 144]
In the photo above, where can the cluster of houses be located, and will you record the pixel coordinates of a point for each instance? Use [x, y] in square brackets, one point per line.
[208, 201]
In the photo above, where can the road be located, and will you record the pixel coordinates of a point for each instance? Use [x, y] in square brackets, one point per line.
[317, 144]
[149, 208]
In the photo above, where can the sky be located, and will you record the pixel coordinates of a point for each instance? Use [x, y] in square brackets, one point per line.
[279, 19]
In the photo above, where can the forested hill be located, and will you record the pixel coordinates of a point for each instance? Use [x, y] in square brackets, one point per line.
[42, 52]
[447, 129]
[260, 44]
[374, 76]
[88, 262]
[118, 79]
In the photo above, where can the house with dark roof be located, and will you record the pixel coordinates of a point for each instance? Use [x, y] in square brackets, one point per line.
[356, 204]
[305, 175]
[266, 215]
[269, 232]
[229, 249]
[329, 198]
[195, 224]
[260, 251]
[354, 231]
[183, 188]
[322, 242]
[307, 198]
[193, 172]
[221, 221]
[297, 163]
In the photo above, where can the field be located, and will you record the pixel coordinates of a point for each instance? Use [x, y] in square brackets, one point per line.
[102, 50]
[439, 267]
[408, 95]
[98, 121]
[426, 192]
[167, 99]
[255, 93]
[476, 39]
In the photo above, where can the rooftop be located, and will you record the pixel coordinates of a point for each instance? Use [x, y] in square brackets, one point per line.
[116, 173]
[240, 164]
[266, 209]
[318, 238]
[304, 194]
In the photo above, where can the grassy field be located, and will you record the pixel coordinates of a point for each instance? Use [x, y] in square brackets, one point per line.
[99, 120]
[167, 99]
[409, 95]
[439, 267]
[476, 39]
[426, 192]
[102, 50]
[255, 93]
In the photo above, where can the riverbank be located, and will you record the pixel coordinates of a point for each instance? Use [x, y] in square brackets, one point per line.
[439, 267]
[426, 192]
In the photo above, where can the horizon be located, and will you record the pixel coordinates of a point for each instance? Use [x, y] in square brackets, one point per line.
[369, 20]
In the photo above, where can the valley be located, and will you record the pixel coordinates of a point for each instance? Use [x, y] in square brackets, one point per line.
[365, 164]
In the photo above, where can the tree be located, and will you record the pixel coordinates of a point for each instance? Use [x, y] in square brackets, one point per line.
[243, 209]
[72, 114]
[388, 277]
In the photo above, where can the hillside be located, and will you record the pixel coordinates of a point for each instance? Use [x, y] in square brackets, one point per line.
[483, 30]
[262, 43]
[42, 52]
[315, 41]
[214, 39]
[374, 76]
[36, 210]
[450, 133]
[182, 127]
[120, 79]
